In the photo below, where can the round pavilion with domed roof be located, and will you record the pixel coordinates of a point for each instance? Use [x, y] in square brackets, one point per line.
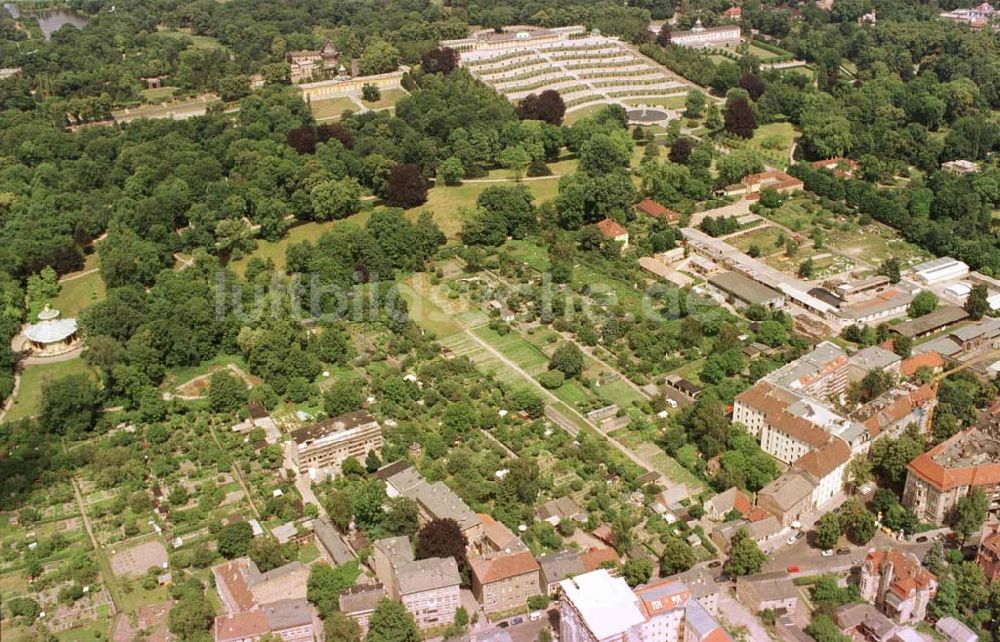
[52, 334]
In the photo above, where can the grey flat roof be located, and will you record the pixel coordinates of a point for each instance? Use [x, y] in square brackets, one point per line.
[333, 425]
[874, 357]
[285, 614]
[744, 288]
[360, 598]
[427, 575]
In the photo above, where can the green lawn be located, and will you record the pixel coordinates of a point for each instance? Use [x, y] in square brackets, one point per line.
[163, 111]
[199, 42]
[765, 238]
[583, 112]
[618, 392]
[446, 202]
[389, 98]
[28, 401]
[517, 349]
[331, 108]
[81, 292]
[670, 102]
[875, 243]
[423, 310]
[774, 141]
[275, 250]
[158, 95]
[308, 553]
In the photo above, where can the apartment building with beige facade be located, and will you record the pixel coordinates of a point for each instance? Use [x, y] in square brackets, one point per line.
[325, 445]
[428, 588]
[937, 479]
[504, 581]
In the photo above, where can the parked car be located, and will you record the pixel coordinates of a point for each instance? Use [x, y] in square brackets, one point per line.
[827, 553]
[796, 537]
[715, 564]
[535, 616]
[921, 539]
[865, 489]
[843, 551]
[504, 624]
[793, 569]
[516, 621]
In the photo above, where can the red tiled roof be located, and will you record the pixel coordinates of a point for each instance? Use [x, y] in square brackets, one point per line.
[593, 558]
[503, 567]
[231, 574]
[932, 360]
[764, 398]
[718, 634]
[651, 208]
[825, 459]
[497, 533]
[611, 229]
[944, 479]
[757, 514]
[655, 600]
[776, 179]
[604, 533]
[837, 164]
[898, 409]
[241, 626]
[907, 573]
[741, 503]
[733, 12]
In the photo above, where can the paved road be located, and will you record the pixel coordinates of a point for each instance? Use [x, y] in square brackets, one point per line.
[811, 561]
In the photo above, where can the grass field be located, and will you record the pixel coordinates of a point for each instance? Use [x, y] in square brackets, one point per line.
[583, 112]
[762, 54]
[158, 95]
[28, 401]
[80, 292]
[199, 42]
[446, 202]
[664, 463]
[799, 213]
[875, 243]
[774, 141]
[669, 102]
[424, 310]
[332, 108]
[389, 99]
[164, 111]
[765, 238]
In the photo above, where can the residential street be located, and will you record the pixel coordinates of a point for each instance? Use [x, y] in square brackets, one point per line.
[810, 560]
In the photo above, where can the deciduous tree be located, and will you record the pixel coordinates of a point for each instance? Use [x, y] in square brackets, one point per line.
[406, 187]
[740, 119]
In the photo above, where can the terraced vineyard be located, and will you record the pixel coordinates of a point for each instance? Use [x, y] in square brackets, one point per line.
[590, 71]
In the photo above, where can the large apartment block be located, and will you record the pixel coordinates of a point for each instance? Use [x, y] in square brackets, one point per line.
[327, 444]
[937, 479]
[434, 501]
[597, 607]
[428, 588]
[504, 581]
